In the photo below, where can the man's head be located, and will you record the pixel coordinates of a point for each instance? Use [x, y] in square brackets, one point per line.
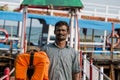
[61, 30]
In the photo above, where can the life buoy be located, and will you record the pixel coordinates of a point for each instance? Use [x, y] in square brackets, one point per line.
[117, 40]
[6, 35]
[40, 62]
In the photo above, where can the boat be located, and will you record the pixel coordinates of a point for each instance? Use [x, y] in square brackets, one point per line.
[20, 34]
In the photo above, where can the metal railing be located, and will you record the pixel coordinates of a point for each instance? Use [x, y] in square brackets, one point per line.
[100, 10]
[97, 74]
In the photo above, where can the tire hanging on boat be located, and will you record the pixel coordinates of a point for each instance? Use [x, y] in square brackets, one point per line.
[6, 35]
[115, 35]
[40, 62]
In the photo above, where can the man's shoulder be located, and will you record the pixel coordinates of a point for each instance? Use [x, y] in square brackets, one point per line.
[73, 50]
[47, 46]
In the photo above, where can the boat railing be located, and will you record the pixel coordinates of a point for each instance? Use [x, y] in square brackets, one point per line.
[106, 12]
[6, 46]
[7, 49]
[10, 3]
[99, 51]
[100, 10]
[91, 71]
[92, 43]
[5, 76]
[10, 38]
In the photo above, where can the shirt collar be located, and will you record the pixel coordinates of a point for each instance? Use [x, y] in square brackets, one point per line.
[67, 45]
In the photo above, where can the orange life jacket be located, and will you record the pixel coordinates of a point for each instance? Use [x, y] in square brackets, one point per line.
[40, 62]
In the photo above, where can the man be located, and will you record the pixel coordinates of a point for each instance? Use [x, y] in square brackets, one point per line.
[64, 60]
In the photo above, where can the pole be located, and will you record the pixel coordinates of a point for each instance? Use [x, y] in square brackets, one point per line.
[23, 34]
[104, 40]
[77, 38]
[11, 51]
[81, 65]
[72, 27]
[84, 67]
[101, 75]
[112, 75]
[93, 31]
[91, 66]
[7, 72]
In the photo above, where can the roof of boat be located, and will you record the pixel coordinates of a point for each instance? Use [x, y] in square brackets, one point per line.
[92, 24]
[58, 4]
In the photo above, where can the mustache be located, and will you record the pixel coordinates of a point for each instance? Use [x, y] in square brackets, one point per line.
[60, 35]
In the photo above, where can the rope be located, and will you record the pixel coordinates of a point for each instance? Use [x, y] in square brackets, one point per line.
[2, 78]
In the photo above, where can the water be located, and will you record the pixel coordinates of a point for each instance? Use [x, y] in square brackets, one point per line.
[34, 37]
[35, 34]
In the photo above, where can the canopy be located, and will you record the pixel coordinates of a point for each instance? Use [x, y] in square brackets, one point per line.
[55, 3]
[14, 16]
[92, 24]
[100, 25]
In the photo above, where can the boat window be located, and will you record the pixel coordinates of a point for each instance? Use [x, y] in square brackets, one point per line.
[98, 35]
[86, 35]
[11, 27]
[33, 30]
[91, 35]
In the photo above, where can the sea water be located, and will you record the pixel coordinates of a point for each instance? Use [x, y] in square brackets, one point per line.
[35, 33]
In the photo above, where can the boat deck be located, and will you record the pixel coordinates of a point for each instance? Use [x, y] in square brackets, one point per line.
[105, 60]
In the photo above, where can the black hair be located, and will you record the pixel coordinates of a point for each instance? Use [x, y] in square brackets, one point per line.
[61, 23]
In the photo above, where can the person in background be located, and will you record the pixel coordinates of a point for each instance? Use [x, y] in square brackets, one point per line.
[64, 60]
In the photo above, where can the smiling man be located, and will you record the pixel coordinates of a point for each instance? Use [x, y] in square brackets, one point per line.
[64, 60]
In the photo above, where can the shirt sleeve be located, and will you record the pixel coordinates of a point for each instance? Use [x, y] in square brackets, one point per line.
[76, 63]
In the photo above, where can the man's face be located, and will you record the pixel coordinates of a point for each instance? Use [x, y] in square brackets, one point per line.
[61, 33]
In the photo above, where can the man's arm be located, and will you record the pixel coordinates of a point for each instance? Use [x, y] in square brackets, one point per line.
[76, 76]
